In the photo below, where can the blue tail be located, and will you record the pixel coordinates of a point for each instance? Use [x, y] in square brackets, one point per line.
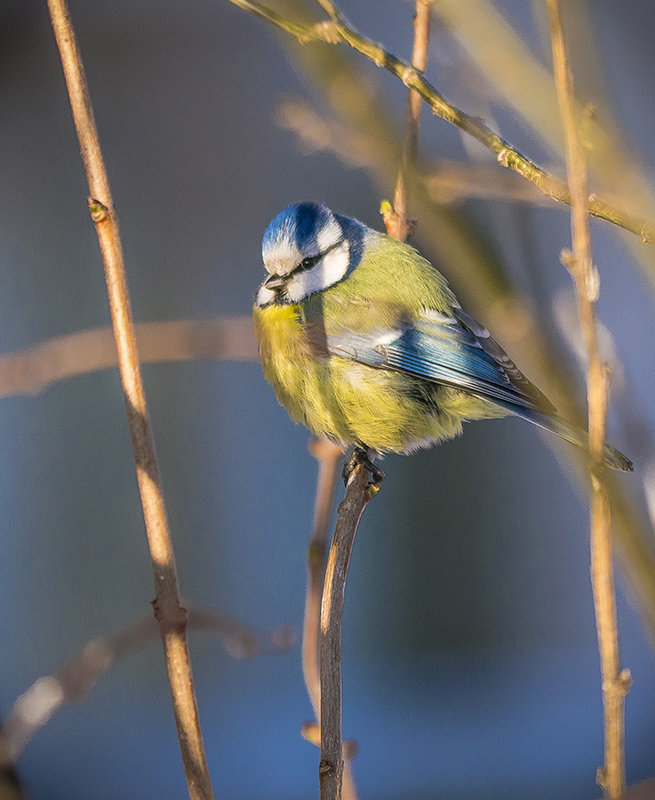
[613, 457]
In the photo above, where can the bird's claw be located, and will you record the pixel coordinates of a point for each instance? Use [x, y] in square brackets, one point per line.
[361, 456]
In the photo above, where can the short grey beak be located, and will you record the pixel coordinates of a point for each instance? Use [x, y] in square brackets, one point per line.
[274, 282]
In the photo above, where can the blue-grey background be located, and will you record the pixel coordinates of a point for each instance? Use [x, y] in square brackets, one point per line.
[470, 661]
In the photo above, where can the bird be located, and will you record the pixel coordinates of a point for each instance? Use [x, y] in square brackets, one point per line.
[365, 344]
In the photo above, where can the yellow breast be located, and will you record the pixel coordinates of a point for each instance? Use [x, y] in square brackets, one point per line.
[294, 367]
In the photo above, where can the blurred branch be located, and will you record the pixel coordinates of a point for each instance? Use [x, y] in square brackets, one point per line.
[329, 457]
[351, 508]
[32, 369]
[338, 30]
[641, 791]
[170, 615]
[10, 785]
[396, 220]
[520, 81]
[615, 682]
[75, 679]
[448, 182]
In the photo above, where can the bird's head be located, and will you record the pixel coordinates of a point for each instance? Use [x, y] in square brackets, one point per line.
[307, 248]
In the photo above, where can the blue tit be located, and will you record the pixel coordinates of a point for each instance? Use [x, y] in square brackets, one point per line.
[364, 342]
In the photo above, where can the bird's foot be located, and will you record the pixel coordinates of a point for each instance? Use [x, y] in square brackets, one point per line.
[361, 456]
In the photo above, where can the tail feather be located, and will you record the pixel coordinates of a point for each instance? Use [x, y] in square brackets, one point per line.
[613, 458]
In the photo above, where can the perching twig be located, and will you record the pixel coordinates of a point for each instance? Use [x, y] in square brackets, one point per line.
[329, 457]
[75, 679]
[615, 682]
[337, 30]
[351, 508]
[170, 615]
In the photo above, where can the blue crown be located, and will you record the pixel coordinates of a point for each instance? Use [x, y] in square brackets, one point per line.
[298, 224]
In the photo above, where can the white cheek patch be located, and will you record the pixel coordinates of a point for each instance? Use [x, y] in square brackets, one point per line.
[328, 271]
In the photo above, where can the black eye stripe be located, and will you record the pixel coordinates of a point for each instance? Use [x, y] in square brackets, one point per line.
[312, 261]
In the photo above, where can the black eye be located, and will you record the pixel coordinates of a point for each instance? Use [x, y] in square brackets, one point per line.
[308, 263]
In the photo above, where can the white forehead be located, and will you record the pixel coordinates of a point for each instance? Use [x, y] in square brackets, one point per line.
[282, 257]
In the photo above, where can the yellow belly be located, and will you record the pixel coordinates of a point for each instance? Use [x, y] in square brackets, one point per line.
[353, 403]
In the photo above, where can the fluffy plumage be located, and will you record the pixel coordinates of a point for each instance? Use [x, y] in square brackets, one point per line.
[364, 342]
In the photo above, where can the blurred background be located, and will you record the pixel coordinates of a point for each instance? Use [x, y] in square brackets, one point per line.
[470, 658]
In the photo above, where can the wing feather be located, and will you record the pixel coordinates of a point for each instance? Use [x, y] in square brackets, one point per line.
[451, 350]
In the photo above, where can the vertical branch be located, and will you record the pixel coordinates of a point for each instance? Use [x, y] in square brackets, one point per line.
[351, 508]
[399, 225]
[615, 682]
[329, 457]
[171, 617]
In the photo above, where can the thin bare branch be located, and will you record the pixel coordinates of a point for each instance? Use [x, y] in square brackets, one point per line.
[74, 680]
[615, 682]
[448, 182]
[337, 29]
[398, 223]
[351, 508]
[329, 457]
[301, 32]
[170, 615]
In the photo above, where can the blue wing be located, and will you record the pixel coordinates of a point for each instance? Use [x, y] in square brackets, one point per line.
[451, 350]
[457, 351]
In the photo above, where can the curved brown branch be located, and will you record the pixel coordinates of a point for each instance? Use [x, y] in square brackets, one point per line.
[334, 775]
[329, 457]
[170, 615]
[337, 29]
[74, 680]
